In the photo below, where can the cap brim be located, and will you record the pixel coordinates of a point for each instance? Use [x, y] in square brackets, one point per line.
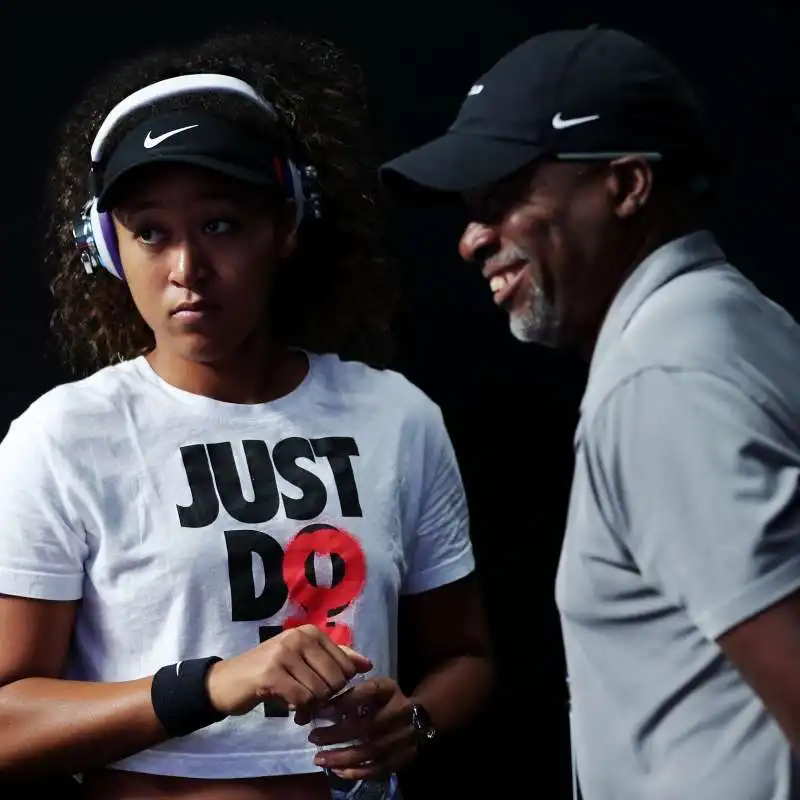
[454, 163]
[106, 197]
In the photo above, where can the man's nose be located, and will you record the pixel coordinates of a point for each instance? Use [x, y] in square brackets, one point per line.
[477, 243]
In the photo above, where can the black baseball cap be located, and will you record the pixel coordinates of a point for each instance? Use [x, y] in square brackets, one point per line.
[189, 137]
[591, 94]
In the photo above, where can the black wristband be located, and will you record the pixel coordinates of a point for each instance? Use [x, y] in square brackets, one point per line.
[180, 697]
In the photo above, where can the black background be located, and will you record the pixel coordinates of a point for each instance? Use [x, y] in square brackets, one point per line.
[510, 408]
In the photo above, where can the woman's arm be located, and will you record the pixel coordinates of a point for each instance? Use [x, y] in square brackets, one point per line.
[450, 640]
[50, 726]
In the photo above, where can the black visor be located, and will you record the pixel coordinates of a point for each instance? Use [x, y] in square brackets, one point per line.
[190, 137]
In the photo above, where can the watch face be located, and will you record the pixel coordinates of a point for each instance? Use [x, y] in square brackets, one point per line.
[423, 724]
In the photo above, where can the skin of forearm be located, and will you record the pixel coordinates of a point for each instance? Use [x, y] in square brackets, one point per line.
[52, 727]
[456, 690]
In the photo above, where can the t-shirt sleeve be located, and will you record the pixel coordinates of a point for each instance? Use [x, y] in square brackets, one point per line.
[703, 483]
[439, 549]
[42, 550]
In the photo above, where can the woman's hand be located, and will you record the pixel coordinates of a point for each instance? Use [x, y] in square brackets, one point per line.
[301, 666]
[377, 717]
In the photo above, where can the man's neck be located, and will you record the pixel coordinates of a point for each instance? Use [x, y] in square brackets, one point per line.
[664, 227]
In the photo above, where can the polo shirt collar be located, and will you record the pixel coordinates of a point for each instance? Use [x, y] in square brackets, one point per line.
[684, 254]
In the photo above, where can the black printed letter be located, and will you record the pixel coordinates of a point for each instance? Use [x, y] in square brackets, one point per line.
[338, 450]
[205, 506]
[245, 605]
[312, 503]
[265, 505]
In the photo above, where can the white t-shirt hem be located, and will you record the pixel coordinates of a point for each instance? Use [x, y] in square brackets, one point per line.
[40, 586]
[442, 574]
[221, 765]
[757, 597]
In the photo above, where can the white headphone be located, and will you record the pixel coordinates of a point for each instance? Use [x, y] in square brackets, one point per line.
[93, 231]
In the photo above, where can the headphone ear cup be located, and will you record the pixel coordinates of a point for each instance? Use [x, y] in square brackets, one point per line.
[105, 240]
[305, 191]
[296, 194]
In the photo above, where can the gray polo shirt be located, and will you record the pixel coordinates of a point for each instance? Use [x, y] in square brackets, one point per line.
[684, 521]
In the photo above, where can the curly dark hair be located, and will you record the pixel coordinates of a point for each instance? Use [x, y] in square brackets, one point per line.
[341, 296]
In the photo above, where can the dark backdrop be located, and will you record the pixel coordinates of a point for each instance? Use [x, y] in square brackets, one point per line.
[510, 408]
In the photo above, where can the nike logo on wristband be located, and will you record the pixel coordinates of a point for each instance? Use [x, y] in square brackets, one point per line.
[178, 668]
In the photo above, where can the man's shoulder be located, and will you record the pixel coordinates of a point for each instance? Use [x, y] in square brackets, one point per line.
[713, 321]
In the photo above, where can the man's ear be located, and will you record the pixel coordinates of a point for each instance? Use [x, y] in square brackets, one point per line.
[633, 181]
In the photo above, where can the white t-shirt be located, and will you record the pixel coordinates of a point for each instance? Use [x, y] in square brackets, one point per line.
[191, 527]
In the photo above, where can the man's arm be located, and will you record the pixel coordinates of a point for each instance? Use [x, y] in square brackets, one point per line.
[705, 495]
[766, 650]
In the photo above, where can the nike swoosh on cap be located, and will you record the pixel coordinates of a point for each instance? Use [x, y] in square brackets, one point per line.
[152, 141]
[560, 123]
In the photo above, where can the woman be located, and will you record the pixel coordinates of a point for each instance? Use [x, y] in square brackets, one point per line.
[211, 535]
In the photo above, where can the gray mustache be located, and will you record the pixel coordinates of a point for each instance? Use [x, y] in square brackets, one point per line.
[507, 258]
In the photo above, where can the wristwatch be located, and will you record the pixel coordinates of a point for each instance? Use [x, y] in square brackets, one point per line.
[423, 726]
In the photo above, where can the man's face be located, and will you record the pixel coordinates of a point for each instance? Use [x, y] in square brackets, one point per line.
[550, 240]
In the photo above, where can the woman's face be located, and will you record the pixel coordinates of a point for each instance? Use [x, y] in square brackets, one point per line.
[200, 250]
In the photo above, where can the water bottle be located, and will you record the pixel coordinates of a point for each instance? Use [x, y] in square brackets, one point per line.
[341, 789]
[384, 789]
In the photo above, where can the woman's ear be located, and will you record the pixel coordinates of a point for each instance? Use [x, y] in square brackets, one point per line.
[289, 244]
[287, 230]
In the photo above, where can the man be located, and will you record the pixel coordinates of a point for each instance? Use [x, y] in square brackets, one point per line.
[583, 159]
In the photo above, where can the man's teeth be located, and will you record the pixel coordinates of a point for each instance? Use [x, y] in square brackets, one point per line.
[502, 280]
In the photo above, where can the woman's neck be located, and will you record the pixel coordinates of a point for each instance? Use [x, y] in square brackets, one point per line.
[252, 375]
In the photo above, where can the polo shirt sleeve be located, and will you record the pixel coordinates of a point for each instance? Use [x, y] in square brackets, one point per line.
[702, 483]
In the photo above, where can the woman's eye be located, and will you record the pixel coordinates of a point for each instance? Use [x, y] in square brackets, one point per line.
[149, 235]
[216, 226]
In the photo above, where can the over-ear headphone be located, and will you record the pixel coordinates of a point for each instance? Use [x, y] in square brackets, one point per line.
[93, 230]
